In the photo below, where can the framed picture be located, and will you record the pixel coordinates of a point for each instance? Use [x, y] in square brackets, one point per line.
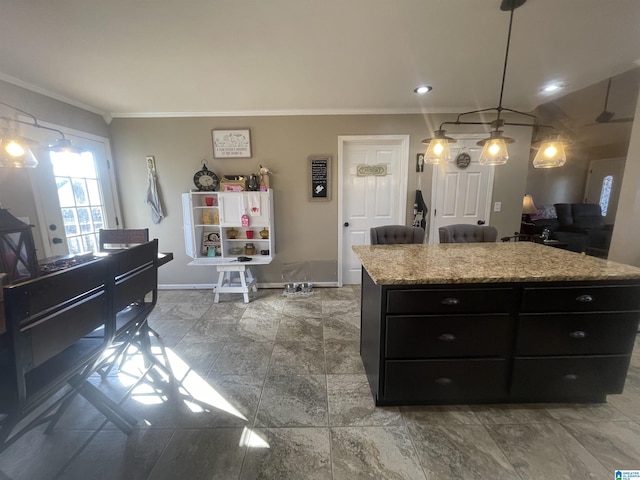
[319, 178]
[231, 143]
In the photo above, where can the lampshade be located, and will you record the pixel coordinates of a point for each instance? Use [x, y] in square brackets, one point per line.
[64, 145]
[15, 153]
[551, 153]
[494, 149]
[438, 150]
[528, 205]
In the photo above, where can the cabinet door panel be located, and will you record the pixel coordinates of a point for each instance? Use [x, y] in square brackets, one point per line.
[433, 381]
[576, 334]
[471, 300]
[568, 378]
[581, 299]
[447, 336]
[231, 208]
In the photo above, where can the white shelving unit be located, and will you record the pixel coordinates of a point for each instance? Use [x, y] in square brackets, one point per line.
[209, 230]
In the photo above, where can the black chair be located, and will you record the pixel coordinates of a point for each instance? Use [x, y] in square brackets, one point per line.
[133, 284]
[463, 233]
[393, 234]
[57, 330]
[119, 239]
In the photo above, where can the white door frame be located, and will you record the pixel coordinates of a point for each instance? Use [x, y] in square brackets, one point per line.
[113, 196]
[436, 177]
[403, 141]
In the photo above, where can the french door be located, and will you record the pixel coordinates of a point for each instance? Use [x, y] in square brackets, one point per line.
[74, 195]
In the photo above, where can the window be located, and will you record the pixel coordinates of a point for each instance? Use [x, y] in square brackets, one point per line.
[605, 193]
[80, 199]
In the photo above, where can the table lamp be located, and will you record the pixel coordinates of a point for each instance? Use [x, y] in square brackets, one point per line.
[528, 208]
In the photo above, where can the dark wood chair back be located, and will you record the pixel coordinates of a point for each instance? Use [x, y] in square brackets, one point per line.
[122, 238]
[134, 285]
[56, 327]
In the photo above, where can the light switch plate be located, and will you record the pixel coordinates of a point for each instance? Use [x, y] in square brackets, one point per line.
[497, 206]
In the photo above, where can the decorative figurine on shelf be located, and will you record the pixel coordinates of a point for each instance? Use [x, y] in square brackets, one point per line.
[252, 184]
[264, 233]
[232, 233]
[244, 220]
[264, 178]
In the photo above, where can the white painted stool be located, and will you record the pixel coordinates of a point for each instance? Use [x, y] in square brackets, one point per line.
[235, 278]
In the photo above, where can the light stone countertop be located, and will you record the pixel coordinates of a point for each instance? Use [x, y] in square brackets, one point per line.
[484, 263]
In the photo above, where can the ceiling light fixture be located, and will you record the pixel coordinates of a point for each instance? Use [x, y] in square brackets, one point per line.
[494, 151]
[421, 90]
[552, 87]
[16, 153]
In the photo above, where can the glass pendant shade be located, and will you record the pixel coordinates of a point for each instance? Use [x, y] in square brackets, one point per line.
[494, 149]
[64, 145]
[438, 150]
[551, 154]
[15, 153]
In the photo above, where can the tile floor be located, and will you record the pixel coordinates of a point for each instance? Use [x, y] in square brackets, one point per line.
[276, 390]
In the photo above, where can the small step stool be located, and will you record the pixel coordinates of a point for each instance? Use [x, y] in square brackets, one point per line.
[234, 279]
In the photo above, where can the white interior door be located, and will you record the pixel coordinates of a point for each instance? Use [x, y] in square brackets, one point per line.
[603, 185]
[461, 195]
[369, 200]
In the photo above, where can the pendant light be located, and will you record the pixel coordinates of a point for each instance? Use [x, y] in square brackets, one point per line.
[551, 152]
[438, 150]
[494, 151]
[14, 151]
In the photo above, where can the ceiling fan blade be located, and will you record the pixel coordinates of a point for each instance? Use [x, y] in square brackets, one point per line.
[605, 116]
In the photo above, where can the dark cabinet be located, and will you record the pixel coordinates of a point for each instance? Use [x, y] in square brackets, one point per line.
[500, 342]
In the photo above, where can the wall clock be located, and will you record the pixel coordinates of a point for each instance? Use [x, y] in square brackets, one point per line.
[205, 180]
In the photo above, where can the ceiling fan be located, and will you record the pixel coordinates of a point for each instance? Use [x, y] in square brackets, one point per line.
[606, 116]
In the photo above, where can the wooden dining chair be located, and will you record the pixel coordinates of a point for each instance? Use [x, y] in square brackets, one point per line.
[118, 239]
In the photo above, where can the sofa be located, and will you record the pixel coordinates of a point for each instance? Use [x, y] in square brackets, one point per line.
[579, 225]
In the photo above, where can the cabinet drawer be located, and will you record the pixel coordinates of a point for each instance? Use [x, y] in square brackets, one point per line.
[425, 381]
[581, 299]
[472, 300]
[576, 334]
[447, 336]
[577, 378]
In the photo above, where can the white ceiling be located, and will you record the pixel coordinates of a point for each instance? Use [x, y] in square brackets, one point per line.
[217, 57]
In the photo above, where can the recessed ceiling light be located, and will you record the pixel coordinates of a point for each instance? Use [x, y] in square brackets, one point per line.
[552, 87]
[422, 89]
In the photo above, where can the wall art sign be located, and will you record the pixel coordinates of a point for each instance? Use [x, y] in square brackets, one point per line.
[371, 170]
[231, 143]
[463, 160]
[319, 177]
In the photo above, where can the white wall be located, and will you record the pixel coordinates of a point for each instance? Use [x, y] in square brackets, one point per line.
[625, 247]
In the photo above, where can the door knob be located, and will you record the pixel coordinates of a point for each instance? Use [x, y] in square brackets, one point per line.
[56, 240]
[346, 224]
[481, 222]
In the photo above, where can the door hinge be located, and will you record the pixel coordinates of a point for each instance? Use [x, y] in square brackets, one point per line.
[434, 212]
[117, 222]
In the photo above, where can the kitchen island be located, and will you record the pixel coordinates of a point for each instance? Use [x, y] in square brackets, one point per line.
[494, 322]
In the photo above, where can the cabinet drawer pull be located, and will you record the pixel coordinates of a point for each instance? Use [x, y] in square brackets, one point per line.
[447, 337]
[585, 298]
[570, 376]
[578, 334]
[450, 301]
[443, 381]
